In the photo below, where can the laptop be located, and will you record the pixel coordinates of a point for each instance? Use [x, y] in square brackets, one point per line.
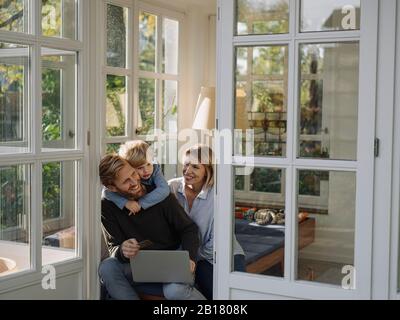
[163, 266]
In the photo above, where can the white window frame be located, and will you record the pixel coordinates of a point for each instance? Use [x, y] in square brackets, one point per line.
[36, 156]
[288, 286]
[132, 72]
[126, 72]
[392, 30]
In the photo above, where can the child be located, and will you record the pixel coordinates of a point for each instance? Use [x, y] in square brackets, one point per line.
[139, 156]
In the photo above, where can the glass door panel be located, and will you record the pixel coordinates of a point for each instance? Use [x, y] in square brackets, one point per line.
[326, 226]
[261, 97]
[14, 219]
[329, 15]
[329, 100]
[259, 221]
[59, 211]
[262, 17]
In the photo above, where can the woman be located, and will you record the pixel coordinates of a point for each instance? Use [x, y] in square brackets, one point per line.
[195, 192]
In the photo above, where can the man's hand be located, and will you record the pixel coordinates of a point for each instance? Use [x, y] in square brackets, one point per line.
[133, 206]
[192, 266]
[130, 248]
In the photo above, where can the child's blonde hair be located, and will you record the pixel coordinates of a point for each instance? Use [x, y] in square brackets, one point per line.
[136, 152]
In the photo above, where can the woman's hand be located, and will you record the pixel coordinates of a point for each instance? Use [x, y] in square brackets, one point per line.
[130, 248]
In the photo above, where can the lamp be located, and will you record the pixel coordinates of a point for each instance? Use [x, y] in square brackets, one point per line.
[204, 118]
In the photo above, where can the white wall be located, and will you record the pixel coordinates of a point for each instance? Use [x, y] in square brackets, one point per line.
[199, 58]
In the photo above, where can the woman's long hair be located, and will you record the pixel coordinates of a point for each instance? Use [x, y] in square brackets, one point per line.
[205, 156]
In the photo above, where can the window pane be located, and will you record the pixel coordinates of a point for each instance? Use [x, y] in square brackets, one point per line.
[329, 100]
[147, 41]
[14, 68]
[266, 180]
[117, 26]
[112, 147]
[58, 99]
[116, 106]
[59, 201]
[59, 18]
[330, 15]
[326, 203]
[260, 220]
[147, 106]
[170, 46]
[14, 219]
[14, 15]
[262, 16]
[170, 106]
[261, 97]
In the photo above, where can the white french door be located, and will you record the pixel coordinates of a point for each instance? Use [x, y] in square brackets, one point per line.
[302, 77]
[43, 153]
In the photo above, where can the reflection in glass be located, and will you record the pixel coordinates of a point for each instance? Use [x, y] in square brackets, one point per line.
[330, 15]
[59, 18]
[59, 200]
[14, 219]
[147, 106]
[262, 16]
[14, 16]
[116, 105]
[147, 41]
[259, 202]
[266, 180]
[58, 99]
[170, 46]
[261, 97]
[329, 100]
[269, 60]
[14, 66]
[117, 25]
[326, 209]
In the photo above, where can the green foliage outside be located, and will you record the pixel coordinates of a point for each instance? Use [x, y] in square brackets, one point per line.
[51, 176]
[266, 180]
[51, 18]
[115, 87]
[310, 182]
[12, 15]
[51, 110]
[51, 131]
[12, 196]
[112, 148]
[252, 16]
[116, 36]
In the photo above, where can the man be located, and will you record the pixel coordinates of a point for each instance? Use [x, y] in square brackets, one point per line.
[166, 225]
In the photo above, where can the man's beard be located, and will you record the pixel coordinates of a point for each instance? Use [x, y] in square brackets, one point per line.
[135, 196]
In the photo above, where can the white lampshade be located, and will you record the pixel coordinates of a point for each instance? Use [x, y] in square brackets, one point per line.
[205, 110]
